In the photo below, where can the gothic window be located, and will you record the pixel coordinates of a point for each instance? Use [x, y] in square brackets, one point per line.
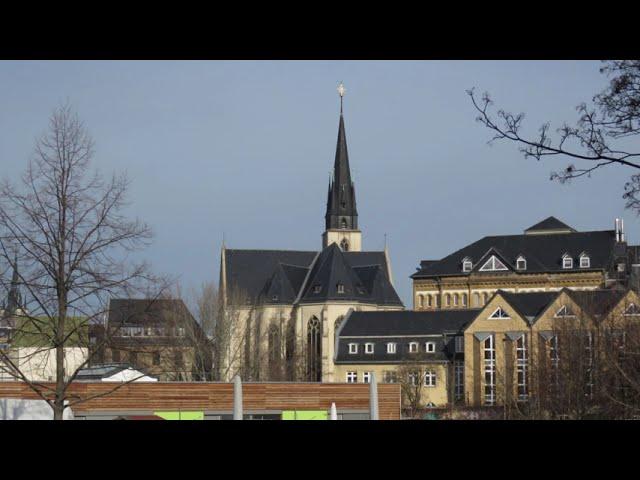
[274, 352]
[314, 350]
[344, 245]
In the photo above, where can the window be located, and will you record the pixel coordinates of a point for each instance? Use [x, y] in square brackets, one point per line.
[368, 348]
[366, 377]
[564, 311]
[522, 359]
[353, 348]
[340, 288]
[489, 363]
[274, 298]
[420, 301]
[156, 358]
[181, 331]
[567, 261]
[413, 347]
[459, 344]
[467, 265]
[178, 359]
[493, 265]
[352, 377]
[391, 347]
[317, 288]
[585, 261]
[459, 379]
[430, 347]
[344, 245]
[499, 313]
[632, 309]
[314, 350]
[343, 223]
[521, 263]
[553, 352]
[476, 299]
[447, 299]
[464, 299]
[413, 378]
[429, 301]
[430, 379]
[485, 298]
[455, 299]
[390, 376]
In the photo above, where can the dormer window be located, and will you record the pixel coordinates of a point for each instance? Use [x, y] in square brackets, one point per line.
[274, 298]
[413, 347]
[585, 261]
[340, 288]
[368, 348]
[521, 263]
[567, 261]
[353, 348]
[493, 265]
[430, 347]
[467, 264]
[317, 288]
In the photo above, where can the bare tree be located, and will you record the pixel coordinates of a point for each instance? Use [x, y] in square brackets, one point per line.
[595, 141]
[72, 245]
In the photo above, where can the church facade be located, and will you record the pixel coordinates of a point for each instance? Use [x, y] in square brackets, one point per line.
[282, 307]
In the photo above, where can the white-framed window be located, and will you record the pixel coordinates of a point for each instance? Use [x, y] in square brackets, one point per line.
[413, 347]
[585, 261]
[567, 261]
[340, 288]
[464, 299]
[455, 299]
[413, 378]
[366, 377]
[521, 263]
[522, 359]
[489, 364]
[430, 347]
[632, 309]
[564, 311]
[467, 264]
[353, 348]
[493, 265]
[459, 344]
[430, 378]
[499, 313]
[391, 347]
[368, 348]
[352, 377]
[317, 288]
[459, 379]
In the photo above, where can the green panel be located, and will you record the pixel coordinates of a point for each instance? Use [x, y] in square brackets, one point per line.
[305, 415]
[180, 415]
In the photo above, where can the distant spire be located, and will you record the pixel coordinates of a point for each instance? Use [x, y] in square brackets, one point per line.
[341, 92]
[14, 299]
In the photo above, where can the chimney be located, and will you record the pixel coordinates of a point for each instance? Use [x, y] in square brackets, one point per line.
[622, 229]
[617, 227]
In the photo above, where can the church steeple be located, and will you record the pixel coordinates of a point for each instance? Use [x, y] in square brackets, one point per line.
[14, 299]
[341, 215]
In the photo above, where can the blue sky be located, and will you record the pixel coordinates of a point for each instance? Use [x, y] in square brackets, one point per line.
[246, 148]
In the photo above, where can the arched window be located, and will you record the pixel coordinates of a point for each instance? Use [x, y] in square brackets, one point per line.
[275, 356]
[485, 297]
[437, 299]
[314, 350]
[455, 299]
[343, 223]
[476, 299]
[429, 301]
[464, 299]
[447, 299]
[420, 301]
[344, 245]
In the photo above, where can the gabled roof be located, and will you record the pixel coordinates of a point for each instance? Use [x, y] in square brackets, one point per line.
[549, 224]
[263, 274]
[148, 311]
[543, 253]
[529, 304]
[596, 302]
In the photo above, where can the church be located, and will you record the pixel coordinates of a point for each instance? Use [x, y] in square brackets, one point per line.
[283, 307]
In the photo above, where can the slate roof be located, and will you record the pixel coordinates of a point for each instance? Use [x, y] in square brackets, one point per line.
[284, 277]
[401, 327]
[100, 371]
[134, 311]
[543, 252]
[529, 304]
[598, 302]
[549, 223]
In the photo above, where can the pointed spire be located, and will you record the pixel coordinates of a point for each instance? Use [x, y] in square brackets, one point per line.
[341, 202]
[14, 299]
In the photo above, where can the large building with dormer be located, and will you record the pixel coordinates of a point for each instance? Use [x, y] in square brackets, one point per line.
[286, 305]
[547, 257]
